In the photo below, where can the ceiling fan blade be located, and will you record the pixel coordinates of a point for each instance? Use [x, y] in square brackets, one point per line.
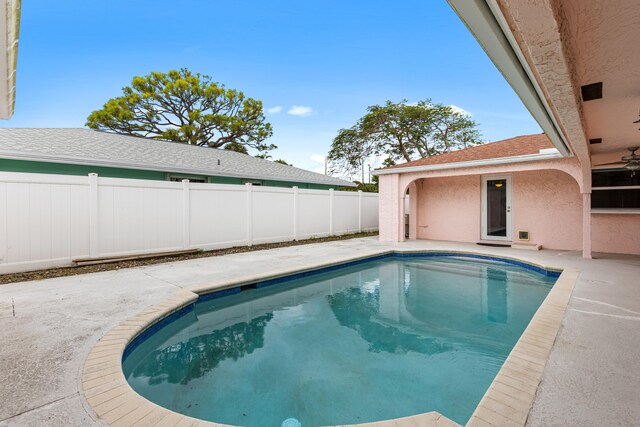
[619, 163]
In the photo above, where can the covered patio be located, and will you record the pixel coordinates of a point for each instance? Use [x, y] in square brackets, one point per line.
[575, 66]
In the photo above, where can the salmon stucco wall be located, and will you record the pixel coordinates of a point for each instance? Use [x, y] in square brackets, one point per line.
[548, 204]
[615, 233]
[449, 208]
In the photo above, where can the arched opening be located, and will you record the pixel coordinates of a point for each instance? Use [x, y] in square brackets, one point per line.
[411, 203]
[447, 206]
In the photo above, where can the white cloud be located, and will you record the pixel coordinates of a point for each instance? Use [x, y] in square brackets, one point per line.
[300, 111]
[318, 158]
[274, 110]
[459, 110]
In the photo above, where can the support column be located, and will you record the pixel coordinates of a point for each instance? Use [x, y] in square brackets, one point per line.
[413, 210]
[586, 225]
[391, 209]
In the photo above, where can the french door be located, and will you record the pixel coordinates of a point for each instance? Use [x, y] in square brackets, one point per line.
[496, 207]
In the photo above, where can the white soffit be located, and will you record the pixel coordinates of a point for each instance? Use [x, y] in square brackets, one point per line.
[486, 23]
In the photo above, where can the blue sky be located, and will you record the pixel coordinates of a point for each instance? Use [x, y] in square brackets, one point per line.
[330, 59]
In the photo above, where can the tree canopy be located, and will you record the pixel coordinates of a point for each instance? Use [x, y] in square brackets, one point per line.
[237, 147]
[402, 131]
[187, 107]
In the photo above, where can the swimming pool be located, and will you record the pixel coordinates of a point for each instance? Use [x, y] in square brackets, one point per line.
[382, 339]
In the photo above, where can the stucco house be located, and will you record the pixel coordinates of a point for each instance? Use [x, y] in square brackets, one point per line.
[520, 191]
[77, 151]
[575, 66]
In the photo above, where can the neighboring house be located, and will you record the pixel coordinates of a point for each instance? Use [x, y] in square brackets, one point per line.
[79, 151]
[576, 67]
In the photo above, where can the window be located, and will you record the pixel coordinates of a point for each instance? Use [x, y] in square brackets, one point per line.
[179, 178]
[615, 189]
[252, 181]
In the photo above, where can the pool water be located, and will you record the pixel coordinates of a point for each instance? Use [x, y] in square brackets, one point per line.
[384, 339]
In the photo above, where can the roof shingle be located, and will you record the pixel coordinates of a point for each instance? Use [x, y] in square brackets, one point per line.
[85, 146]
[517, 146]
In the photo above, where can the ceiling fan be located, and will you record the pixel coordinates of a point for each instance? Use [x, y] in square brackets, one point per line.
[633, 160]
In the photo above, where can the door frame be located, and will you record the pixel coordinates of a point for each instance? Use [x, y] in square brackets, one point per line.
[483, 221]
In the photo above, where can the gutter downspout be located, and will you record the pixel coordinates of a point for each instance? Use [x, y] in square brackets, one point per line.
[10, 19]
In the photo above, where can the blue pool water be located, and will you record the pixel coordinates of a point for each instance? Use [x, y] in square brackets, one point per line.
[383, 339]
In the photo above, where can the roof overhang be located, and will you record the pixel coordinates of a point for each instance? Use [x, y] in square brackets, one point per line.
[485, 20]
[10, 24]
[470, 164]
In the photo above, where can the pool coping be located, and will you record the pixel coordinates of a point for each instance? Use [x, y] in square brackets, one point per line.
[507, 401]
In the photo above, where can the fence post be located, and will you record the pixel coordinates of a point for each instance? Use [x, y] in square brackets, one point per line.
[359, 211]
[186, 214]
[94, 247]
[295, 213]
[249, 189]
[331, 196]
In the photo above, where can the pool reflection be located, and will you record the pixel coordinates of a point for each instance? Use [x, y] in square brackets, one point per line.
[184, 361]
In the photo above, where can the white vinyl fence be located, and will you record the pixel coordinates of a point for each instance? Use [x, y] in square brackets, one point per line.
[49, 220]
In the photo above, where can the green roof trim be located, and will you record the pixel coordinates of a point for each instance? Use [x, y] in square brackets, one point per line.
[27, 166]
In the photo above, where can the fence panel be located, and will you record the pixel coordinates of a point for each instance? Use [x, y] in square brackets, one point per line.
[313, 213]
[137, 217]
[345, 212]
[43, 222]
[49, 220]
[218, 216]
[369, 211]
[272, 214]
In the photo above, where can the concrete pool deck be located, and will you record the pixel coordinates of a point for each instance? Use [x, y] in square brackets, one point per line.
[591, 377]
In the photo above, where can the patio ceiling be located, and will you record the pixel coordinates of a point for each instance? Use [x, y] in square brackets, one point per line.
[605, 37]
[549, 49]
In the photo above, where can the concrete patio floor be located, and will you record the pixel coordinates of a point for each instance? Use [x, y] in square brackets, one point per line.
[47, 329]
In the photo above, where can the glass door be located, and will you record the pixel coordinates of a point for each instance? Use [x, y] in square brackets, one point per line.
[496, 208]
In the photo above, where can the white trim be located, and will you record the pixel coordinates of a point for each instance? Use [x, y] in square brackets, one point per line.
[485, 21]
[483, 221]
[470, 163]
